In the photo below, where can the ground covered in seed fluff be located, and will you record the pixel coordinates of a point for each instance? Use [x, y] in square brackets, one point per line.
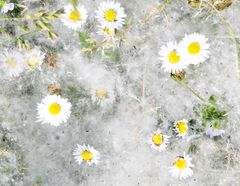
[145, 98]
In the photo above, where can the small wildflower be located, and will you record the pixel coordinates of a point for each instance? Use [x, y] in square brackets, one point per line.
[111, 15]
[7, 7]
[170, 58]
[159, 141]
[86, 153]
[182, 167]
[194, 48]
[54, 110]
[74, 17]
[181, 128]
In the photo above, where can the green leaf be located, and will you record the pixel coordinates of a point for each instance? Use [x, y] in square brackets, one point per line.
[24, 27]
[216, 124]
[86, 41]
[112, 55]
[212, 99]
[192, 148]
[2, 3]
[83, 36]
[39, 180]
[212, 113]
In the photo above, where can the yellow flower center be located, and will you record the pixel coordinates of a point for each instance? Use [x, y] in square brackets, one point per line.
[11, 62]
[182, 127]
[54, 108]
[107, 31]
[180, 163]
[194, 48]
[87, 155]
[32, 62]
[74, 15]
[173, 57]
[110, 15]
[157, 139]
[101, 93]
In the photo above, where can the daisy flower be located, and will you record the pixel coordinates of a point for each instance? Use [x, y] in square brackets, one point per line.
[12, 62]
[53, 110]
[74, 17]
[7, 7]
[86, 153]
[181, 127]
[194, 48]
[170, 58]
[106, 32]
[159, 141]
[34, 59]
[102, 95]
[111, 15]
[182, 167]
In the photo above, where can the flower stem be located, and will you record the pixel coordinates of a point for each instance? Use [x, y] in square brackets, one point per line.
[188, 88]
[11, 19]
[15, 38]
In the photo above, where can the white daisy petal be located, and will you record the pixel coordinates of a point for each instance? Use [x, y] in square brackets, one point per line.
[170, 58]
[86, 154]
[181, 127]
[102, 95]
[194, 48]
[53, 110]
[106, 32]
[182, 167]
[111, 15]
[74, 18]
[12, 62]
[159, 141]
[34, 59]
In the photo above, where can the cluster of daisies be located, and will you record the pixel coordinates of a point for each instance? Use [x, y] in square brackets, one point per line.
[110, 16]
[55, 110]
[182, 165]
[14, 62]
[193, 49]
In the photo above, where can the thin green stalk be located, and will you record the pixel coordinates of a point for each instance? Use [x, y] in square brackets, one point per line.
[12, 19]
[15, 38]
[73, 2]
[188, 88]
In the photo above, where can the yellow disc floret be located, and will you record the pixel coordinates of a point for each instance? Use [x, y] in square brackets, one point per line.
[54, 108]
[157, 139]
[173, 57]
[32, 62]
[180, 163]
[110, 15]
[107, 31]
[74, 15]
[182, 127]
[87, 155]
[101, 93]
[11, 62]
[194, 48]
